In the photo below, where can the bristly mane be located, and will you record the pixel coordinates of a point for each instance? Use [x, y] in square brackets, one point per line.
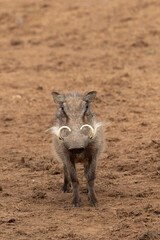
[74, 94]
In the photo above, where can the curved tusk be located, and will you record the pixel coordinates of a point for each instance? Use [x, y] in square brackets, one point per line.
[60, 129]
[91, 128]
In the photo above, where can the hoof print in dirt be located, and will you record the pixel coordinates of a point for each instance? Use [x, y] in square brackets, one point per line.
[56, 173]
[39, 194]
[149, 235]
[12, 220]
[16, 42]
[40, 88]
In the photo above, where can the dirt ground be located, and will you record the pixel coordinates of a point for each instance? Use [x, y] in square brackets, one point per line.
[112, 47]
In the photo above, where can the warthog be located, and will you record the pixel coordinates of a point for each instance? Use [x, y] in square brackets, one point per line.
[77, 137]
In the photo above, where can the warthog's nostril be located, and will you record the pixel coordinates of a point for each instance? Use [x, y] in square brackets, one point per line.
[76, 150]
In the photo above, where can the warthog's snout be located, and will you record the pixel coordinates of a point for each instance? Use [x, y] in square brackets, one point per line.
[76, 150]
[76, 141]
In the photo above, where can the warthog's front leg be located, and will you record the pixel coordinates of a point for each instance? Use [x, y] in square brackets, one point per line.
[66, 185]
[75, 183]
[90, 174]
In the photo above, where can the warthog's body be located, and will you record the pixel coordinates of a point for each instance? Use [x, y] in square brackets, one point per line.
[72, 144]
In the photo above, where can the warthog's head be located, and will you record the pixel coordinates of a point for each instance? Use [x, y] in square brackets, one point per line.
[75, 121]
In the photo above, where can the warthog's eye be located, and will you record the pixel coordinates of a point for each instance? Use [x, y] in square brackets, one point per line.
[87, 106]
[86, 109]
[62, 108]
[63, 111]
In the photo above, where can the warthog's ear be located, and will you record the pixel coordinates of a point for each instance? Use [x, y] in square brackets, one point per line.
[58, 98]
[90, 96]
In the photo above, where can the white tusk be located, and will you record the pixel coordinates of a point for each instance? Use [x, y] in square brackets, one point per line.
[91, 128]
[60, 129]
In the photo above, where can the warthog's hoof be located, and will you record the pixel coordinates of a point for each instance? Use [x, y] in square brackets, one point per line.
[76, 205]
[76, 202]
[93, 201]
[65, 190]
[95, 204]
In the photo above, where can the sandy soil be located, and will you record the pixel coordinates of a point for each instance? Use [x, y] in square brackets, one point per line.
[112, 47]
